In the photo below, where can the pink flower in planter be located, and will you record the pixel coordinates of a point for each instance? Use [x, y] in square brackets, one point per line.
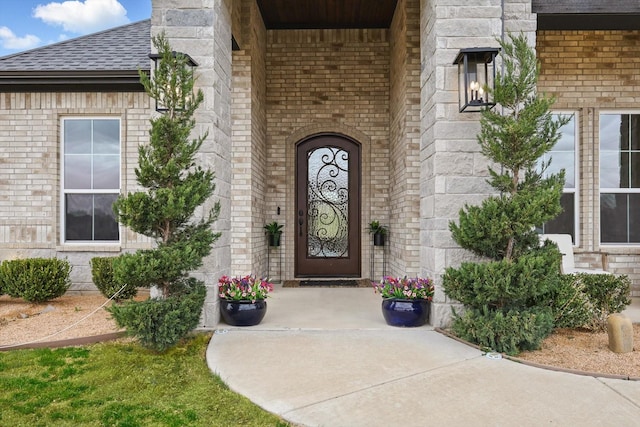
[405, 288]
[245, 288]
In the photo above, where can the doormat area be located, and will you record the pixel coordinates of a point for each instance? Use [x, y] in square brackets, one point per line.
[338, 283]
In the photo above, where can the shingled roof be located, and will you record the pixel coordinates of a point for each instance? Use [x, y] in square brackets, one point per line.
[111, 57]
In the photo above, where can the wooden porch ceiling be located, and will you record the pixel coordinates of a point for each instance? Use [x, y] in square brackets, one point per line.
[300, 14]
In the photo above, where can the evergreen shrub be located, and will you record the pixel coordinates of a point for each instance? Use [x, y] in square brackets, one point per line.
[569, 303]
[102, 276]
[507, 331]
[507, 296]
[500, 284]
[586, 300]
[35, 279]
[159, 324]
[607, 294]
[168, 209]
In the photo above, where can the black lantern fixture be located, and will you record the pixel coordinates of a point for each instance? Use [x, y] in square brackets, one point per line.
[476, 72]
[190, 62]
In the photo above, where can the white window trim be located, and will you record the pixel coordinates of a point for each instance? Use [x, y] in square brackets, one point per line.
[63, 191]
[576, 171]
[611, 190]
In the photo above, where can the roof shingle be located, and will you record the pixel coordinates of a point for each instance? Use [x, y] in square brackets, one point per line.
[117, 49]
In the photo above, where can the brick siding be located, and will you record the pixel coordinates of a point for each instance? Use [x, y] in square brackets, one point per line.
[248, 243]
[588, 72]
[30, 146]
[328, 81]
[405, 140]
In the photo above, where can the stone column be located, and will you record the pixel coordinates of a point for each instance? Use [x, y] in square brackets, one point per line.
[202, 29]
[453, 171]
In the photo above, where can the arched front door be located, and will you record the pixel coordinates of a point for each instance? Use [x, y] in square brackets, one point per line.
[327, 207]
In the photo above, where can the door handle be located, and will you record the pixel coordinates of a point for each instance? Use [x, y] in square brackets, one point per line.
[300, 221]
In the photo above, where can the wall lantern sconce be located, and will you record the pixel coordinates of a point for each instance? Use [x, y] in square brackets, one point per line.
[190, 62]
[476, 71]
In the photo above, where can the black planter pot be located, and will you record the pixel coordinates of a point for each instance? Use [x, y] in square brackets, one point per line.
[405, 312]
[378, 239]
[274, 239]
[243, 313]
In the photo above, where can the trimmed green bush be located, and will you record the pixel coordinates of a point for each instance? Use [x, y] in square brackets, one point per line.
[569, 303]
[506, 283]
[586, 300]
[507, 299]
[607, 294]
[35, 279]
[159, 324]
[488, 229]
[508, 331]
[102, 276]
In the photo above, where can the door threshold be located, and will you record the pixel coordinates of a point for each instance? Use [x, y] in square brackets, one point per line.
[333, 282]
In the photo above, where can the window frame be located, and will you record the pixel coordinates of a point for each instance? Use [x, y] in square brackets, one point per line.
[608, 189]
[575, 190]
[89, 191]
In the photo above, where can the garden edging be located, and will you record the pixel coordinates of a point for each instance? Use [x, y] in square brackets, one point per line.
[71, 342]
[543, 366]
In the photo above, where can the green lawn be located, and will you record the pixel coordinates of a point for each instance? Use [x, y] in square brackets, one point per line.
[120, 384]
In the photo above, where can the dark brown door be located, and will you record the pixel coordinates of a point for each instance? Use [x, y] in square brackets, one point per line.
[328, 207]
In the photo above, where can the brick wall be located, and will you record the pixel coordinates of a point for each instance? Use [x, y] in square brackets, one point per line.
[30, 170]
[404, 138]
[248, 247]
[327, 81]
[591, 71]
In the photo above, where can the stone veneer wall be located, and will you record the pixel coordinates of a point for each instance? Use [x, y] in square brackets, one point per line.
[248, 244]
[453, 172]
[591, 71]
[404, 241]
[202, 29]
[30, 167]
[328, 81]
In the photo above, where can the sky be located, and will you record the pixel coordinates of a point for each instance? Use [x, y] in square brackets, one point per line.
[28, 24]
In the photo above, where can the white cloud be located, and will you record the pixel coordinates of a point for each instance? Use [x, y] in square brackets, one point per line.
[83, 17]
[9, 40]
[60, 38]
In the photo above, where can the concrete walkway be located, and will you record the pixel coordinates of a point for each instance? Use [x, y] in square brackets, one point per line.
[325, 357]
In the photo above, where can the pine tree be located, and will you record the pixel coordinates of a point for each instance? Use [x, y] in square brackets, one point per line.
[506, 298]
[175, 188]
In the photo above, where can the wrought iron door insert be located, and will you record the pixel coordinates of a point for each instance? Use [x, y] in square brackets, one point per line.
[328, 207]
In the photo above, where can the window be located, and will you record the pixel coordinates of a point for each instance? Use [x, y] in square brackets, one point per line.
[619, 178]
[90, 179]
[563, 156]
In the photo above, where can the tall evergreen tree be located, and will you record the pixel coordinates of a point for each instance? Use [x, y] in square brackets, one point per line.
[175, 188]
[505, 297]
